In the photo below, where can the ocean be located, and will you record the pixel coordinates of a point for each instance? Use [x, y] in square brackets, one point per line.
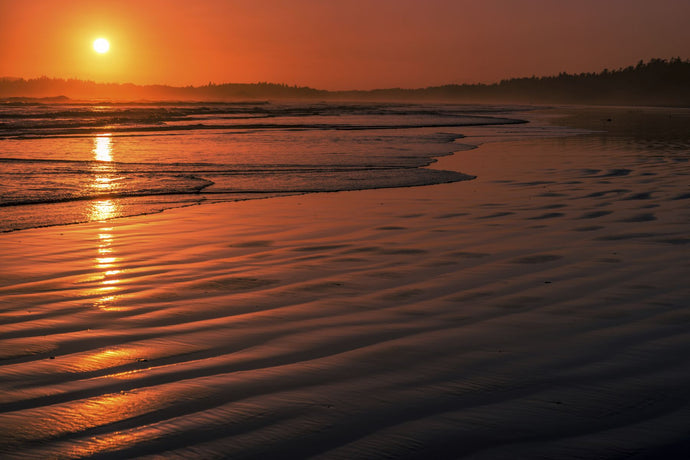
[63, 163]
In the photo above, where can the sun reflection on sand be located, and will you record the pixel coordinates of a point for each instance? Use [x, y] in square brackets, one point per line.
[86, 414]
[106, 259]
[107, 262]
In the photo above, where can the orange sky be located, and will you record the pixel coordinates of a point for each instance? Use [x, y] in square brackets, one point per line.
[335, 44]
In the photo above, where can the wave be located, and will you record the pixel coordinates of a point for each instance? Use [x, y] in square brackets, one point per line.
[59, 161]
[81, 186]
[86, 119]
[35, 130]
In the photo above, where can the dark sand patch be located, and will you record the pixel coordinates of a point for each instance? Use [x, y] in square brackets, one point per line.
[323, 248]
[535, 183]
[403, 251]
[348, 260]
[607, 192]
[496, 215]
[471, 295]
[321, 286]
[588, 172]
[617, 172]
[388, 275]
[453, 214]
[468, 255]
[362, 249]
[675, 241]
[554, 206]
[391, 227]
[642, 287]
[548, 215]
[610, 260]
[626, 236]
[313, 257]
[231, 284]
[252, 244]
[520, 302]
[402, 294]
[537, 259]
[640, 196]
[589, 228]
[646, 217]
[552, 194]
[595, 214]
[442, 263]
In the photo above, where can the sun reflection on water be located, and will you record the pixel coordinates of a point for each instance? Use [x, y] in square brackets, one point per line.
[102, 148]
[106, 260]
[106, 179]
[103, 210]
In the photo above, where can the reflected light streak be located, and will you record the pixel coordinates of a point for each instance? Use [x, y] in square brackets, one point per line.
[105, 180]
[105, 303]
[104, 184]
[109, 280]
[112, 357]
[106, 262]
[133, 403]
[101, 210]
[102, 148]
[64, 419]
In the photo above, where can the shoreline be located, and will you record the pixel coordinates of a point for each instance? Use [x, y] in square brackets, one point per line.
[123, 188]
[537, 310]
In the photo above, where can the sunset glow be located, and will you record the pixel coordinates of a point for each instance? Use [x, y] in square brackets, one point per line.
[334, 44]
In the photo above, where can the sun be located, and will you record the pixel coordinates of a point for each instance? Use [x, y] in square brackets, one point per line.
[101, 45]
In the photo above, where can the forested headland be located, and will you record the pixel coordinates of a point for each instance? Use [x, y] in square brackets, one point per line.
[656, 82]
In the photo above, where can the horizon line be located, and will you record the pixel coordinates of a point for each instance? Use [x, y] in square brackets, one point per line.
[212, 83]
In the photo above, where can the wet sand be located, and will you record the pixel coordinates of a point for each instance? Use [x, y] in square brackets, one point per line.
[538, 311]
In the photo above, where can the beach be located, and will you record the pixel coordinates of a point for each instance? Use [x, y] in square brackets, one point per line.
[539, 310]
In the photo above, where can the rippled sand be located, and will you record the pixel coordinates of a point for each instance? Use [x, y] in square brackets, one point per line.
[539, 311]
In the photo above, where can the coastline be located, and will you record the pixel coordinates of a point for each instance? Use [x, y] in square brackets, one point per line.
[538, 309]
[122, 172]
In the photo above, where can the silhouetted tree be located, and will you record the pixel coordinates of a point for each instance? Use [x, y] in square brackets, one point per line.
[656, 82]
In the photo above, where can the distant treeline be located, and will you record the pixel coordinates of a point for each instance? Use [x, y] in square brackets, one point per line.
[657, 82]
[45, 87]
